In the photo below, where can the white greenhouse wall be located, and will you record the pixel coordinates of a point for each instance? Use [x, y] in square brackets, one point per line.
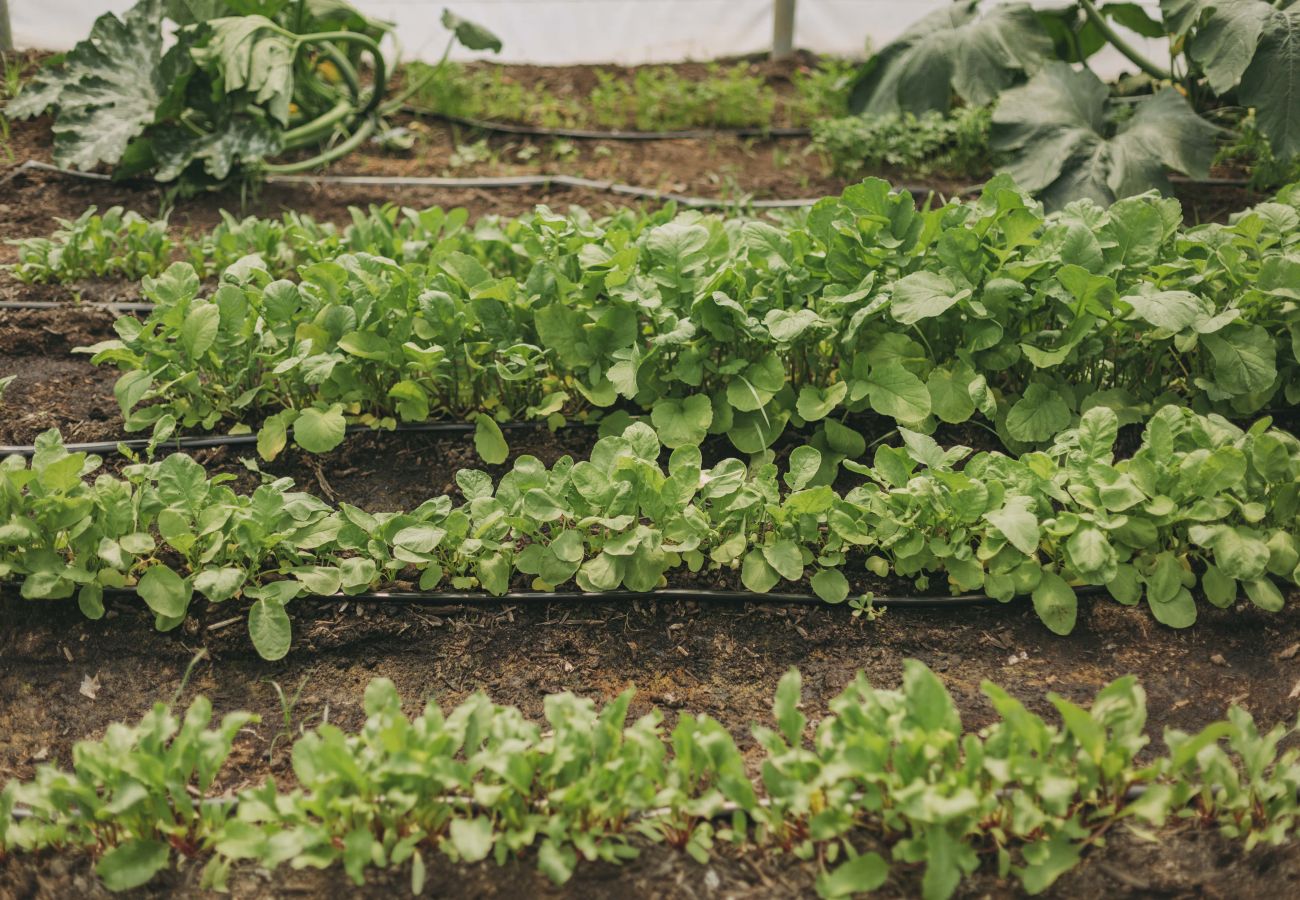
[590, 31]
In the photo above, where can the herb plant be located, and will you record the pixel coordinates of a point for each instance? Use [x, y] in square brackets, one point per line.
[986, 310]
[1201, 502]
[933, 142]
[887, 782]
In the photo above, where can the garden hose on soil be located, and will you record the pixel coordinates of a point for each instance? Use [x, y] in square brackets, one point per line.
[480, 599]
[506, 181]
[617, 135]
[208, 441]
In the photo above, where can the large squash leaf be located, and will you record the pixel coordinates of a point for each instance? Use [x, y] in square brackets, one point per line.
[106, 91]
[1062, 144]
[1252, 45]
[955, 50]
[251, 53]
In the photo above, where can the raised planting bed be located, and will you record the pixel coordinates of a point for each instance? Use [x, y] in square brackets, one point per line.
[64, 677]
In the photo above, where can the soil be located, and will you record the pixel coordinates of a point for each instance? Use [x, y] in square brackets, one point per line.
[64, 678]
[721, 658]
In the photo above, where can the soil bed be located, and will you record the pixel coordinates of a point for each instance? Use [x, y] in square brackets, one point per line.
[721, 658]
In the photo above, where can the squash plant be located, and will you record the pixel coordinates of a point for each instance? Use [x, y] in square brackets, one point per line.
[1055, 123]
[245, 82]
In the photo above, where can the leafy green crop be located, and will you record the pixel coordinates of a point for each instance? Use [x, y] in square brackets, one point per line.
[243, 83]
[1201, 502]
[986, 310]
[118, 243]
[889, 769]
[129, 245]
[955, 144]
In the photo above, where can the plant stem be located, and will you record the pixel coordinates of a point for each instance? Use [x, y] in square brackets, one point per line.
[364, 130]
[1122, 45]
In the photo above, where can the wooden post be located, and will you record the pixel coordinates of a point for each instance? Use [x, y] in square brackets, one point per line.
[6, 32]
[782, 28]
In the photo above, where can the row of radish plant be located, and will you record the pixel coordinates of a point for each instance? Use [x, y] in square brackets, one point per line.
[888, 787]
[1053, 330]
[987, 311]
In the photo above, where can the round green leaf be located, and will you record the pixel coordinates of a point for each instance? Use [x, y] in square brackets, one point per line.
[269, 627]
[164, 591]
[319, 430]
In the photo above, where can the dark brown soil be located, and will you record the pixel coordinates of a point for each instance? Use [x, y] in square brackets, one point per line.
[723, 659]
[52, 387]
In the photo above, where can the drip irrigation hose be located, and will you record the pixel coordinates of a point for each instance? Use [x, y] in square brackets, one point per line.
[126, 306]
[546, 181]
[506, 181]
[481, 599]
[594, 135]
[208, 441]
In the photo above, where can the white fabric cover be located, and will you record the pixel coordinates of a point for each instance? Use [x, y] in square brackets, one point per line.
[557, 32]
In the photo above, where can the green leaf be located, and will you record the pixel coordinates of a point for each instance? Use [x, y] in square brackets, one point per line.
[245, 138]
[897, 393]
[471, 35]
[830, 585]
[1272, 82]
[1039, 415]
[952, 50]
[106, 91]
[815, 403]
[859, 875]
[250, 53]
[1264, 594]
[1244, 358]
[682, 422]
[556, 861]
[753, 432]
[165, 592]
[756, 574]
[489, 441]
[1179, 611]
[319, 430]
[199, 330]
[219, 584]
[1220, 589]
[804, 464]
[785, 707]
[274, 435]
[132, 863]
[472, 838]
[784, 556]
[270, 629]
[1170, 310]
[366, 345]
[90, 600]
[923, 295]
[1017, 523]
[950, 397]
[1054, 132]
[1055, 603]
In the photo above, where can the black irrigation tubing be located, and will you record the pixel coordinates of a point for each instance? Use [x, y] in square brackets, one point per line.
[480, 599]
[126, 306]
[207, 441]
[543, 181]
[615, 135]
[505, 181]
